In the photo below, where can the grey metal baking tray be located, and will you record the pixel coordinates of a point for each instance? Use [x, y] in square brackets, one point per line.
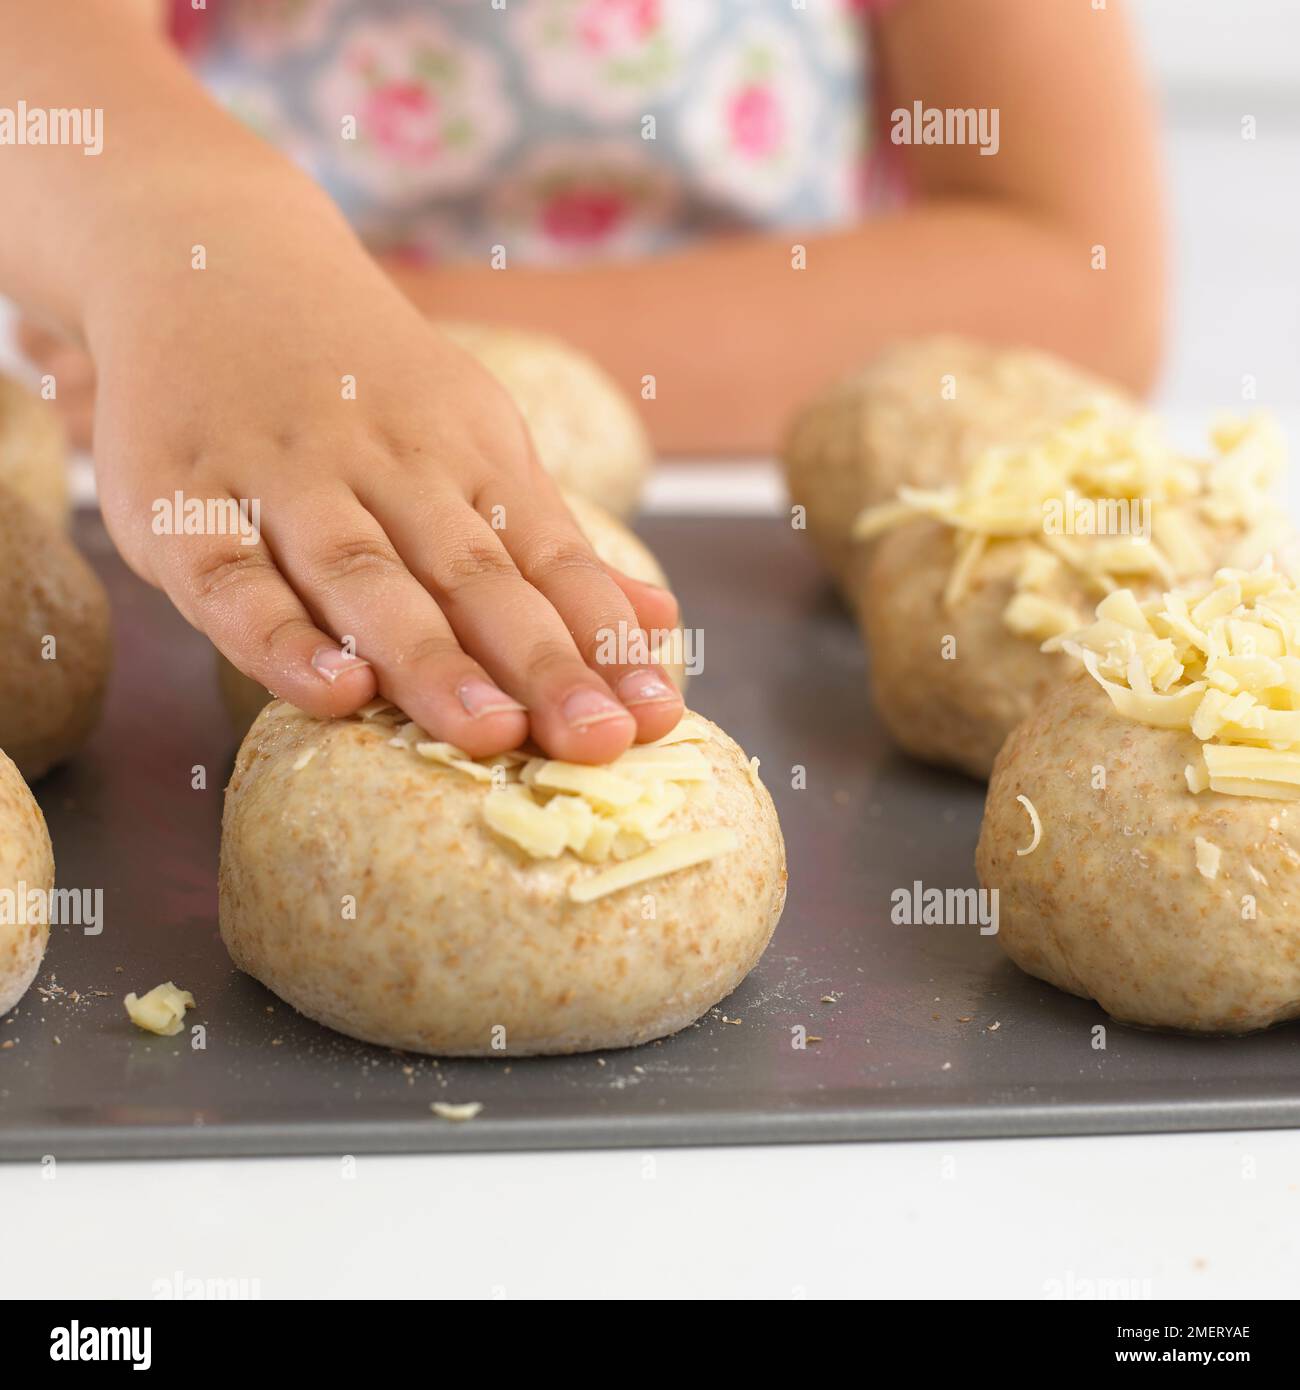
[924, 1031]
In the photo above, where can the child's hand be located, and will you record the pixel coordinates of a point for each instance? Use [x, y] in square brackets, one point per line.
[73, 373]
[409, 514]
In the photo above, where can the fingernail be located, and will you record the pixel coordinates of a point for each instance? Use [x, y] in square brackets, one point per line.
[332, 662]
[644, 688]
[587, 706]
[481, 697]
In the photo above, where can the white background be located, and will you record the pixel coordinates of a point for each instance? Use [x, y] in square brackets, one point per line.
[1175, 1216]
[1235, 203]
[1199, 48]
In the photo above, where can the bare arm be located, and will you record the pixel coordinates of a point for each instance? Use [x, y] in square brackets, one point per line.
[288, 371]
[998, 247]
[173, 163]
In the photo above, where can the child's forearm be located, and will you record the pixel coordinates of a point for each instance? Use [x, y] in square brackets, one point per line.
[174, 169]
[736, 337]
[292, 374]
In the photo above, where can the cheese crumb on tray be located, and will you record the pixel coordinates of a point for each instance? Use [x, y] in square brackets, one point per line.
[457, 1114]
[161, 1011]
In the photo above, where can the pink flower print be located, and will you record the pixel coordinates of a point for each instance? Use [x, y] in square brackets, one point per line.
[578, 215]
[611, 26]
[754, 120]
[401, 117]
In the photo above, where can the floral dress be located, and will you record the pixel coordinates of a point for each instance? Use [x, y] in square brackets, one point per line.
[558, 130]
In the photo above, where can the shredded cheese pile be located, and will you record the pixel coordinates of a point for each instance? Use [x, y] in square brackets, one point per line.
[1220, 658]
[619, 814]
[1111, 462]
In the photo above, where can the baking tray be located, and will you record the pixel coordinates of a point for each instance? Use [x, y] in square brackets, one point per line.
[922, 1031]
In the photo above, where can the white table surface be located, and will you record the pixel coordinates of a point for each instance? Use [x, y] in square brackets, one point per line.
[1179, 1216]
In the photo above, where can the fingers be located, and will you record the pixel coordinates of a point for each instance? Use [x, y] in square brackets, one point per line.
[73, 373]
[36, 343]
[236, 594]
[479, 642]
[657, 609]
[339, 559]
[510, 627]
[555, 557]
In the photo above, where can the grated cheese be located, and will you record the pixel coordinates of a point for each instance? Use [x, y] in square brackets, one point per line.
[1037, 825]
[686, 730]
[681, 852]
[1036, 616]
[161, 1011]
[376, 709]
[1219, 659]
[450, 756]
[619, 815]
[1098, 467]
[1207, 858]
[1198, 780]
[596, 784]
[457, 1114]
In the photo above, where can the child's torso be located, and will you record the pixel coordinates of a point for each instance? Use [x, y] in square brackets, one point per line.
[560, 129]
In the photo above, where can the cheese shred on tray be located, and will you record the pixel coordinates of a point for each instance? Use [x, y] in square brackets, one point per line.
[1073, 494]
[617, 815]
[1221, 659]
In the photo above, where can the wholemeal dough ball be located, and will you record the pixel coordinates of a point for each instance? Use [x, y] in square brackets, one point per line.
[1111, 905]
[26, 864]
[243, 697]
[33, 452]
[949, 684]
[55, 633]
[616, 545]
[613, 542]
[889, 425]
[588, 435]
[955, 634]
[456, 930]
